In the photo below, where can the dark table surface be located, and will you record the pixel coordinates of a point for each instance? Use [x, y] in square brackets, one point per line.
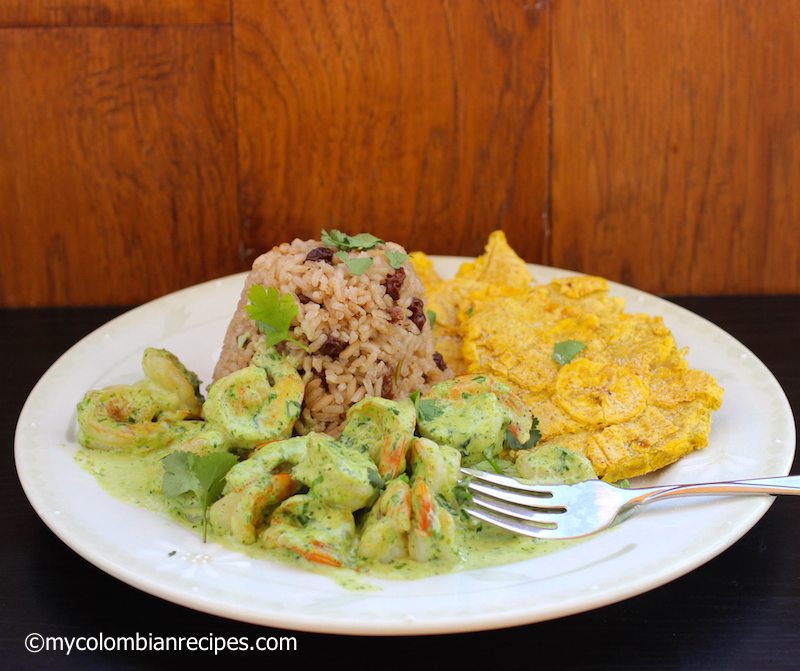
[741, 610]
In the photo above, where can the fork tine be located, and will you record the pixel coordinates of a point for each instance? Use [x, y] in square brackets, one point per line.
[512, 483]
[530, 529]
[549, 511]
[544, 516]
[510, 489]
[530, 501]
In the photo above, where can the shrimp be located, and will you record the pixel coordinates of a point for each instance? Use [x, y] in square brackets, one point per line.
[195, 436]
[139, 415]
[461, 388]
[164, 369]
[383, 428]
[474, 411]
[549, 464]
[257, 404]
[122, 416]
[433, 528]
[338, 474]
[384, 531]
[316, 531]
[409, 520]
[255, 484]
[433, 533]
[437, 465]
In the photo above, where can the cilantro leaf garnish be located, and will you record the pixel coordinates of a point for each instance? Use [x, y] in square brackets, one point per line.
[357, 266]
[427, 408]
[431, 317]
[462, 493]
[566, 350]
[396, 259]
[273, 314]
[349, 242]
[375, 479]
[178, 477]
[513, 444]
[203, 476]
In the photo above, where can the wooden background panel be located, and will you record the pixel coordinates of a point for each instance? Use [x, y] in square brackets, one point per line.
[18, 13]
[423, 123]
[117, 163]
[137, 160]
[675, 143]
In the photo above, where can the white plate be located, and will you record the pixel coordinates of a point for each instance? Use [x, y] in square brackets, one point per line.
[752, 436]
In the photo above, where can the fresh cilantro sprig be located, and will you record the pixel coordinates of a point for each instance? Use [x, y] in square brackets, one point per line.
[273, 314]
[513, 444]
[427, 408]
[566, 350]
[359, 243]
[396, 259]
[357, 266]
[203, 476]
[349, 242]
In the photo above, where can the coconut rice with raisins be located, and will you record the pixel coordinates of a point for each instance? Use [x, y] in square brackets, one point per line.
[368, 334]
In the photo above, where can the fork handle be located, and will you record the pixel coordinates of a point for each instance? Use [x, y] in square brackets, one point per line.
[788, 484]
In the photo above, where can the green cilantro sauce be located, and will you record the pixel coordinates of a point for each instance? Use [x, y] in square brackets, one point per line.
[135, 477]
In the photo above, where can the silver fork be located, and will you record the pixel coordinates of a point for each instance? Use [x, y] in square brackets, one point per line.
[573, 511]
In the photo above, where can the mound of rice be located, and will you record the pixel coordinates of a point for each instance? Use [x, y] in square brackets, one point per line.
[368, 334]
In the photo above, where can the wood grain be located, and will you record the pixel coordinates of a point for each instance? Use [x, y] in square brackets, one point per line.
[147, 146]
[117, 163]
[675, 144]
[424, 123]
[36, 13]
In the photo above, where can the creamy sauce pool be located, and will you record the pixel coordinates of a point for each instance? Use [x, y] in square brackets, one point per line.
[135, 477]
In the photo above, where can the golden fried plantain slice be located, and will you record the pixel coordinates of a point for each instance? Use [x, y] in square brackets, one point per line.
[424, 267]
[628, 400]
[499, 264]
